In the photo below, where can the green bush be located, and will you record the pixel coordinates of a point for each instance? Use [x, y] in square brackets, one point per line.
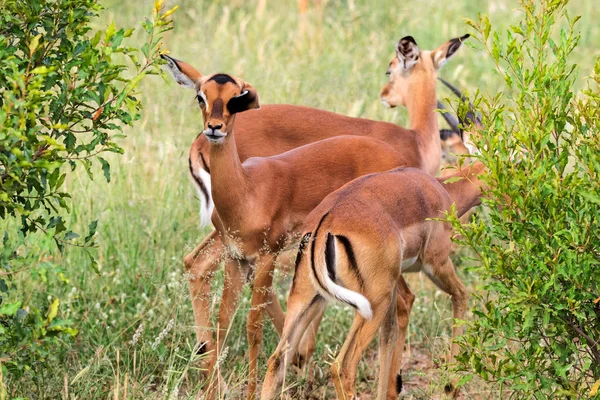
[536, 330]
[65, 94]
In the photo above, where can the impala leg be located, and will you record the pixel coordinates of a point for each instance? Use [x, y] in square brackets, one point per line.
[308, 342]
[404, 304]
[200, 265]
[261, 296]
[388, 336]
[235, 277]
[304, 304]
[362, 332]
[444, 276]
[275, 312]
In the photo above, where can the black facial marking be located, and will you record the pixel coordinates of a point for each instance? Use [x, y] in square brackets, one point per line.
[352, 258]
[398, 383]
[330, 256]
[222, 79]
[217, 109]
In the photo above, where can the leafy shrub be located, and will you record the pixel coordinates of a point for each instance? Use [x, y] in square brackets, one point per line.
[538, 331]
[65, 94]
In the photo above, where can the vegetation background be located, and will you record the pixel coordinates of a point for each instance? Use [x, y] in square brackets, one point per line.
[135, 322]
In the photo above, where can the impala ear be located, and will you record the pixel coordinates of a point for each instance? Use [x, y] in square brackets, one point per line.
[407, 52]
[443, 53]
[246, 100]
[186, 75]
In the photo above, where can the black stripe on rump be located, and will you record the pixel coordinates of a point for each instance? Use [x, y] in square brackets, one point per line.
[312, 251]
[352, 258]
[199, 182]
[301, 247]
[204, 163]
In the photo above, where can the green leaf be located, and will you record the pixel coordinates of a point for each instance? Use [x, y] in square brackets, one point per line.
[71, 235]
[105, 168]
[10, 308]
[91, 231]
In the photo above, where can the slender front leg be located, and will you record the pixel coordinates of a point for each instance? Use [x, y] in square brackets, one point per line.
[200, 266]
[261, 295]
[404, 304]
[235, 277]
[442, 273]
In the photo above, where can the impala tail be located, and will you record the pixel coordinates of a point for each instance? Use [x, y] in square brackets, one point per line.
[201, 176]
[323, 259]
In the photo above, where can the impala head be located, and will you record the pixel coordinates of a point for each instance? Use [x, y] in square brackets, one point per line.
[220, 97]
[412, 68]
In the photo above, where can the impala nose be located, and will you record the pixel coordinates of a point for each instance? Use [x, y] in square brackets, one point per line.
[214, 127]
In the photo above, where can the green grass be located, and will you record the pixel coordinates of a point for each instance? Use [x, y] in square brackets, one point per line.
[148, 213]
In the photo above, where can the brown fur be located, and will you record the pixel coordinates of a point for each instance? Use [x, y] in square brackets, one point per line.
[263, 200]
[389, 219]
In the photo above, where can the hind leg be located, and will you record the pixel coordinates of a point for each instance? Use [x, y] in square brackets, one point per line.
[444, 276]
[235, 277]
[304, 305]
[308, 342]
[362, 332]
[404, 304]
[388, 337]
[200, 265]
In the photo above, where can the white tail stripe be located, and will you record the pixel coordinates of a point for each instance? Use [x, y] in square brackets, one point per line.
[337, 292]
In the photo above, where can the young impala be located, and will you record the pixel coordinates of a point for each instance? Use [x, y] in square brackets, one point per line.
[277, 128]
[358, 242]
[261, 202]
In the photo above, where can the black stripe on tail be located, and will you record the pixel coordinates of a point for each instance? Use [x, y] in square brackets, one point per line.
[352, 258]
[330, 256]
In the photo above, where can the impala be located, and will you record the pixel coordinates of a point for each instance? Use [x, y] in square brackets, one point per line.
[263, 201]
[358, 242]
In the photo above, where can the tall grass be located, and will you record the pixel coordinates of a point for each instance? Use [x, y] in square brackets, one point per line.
[333, 59]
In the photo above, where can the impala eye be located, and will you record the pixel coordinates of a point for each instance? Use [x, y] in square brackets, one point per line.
[200, 99]
[388, 72]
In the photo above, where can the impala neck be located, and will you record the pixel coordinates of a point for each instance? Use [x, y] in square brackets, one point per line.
[423, 119]
[229, 186]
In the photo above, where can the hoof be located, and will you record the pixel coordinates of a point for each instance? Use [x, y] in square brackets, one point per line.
[449, 388]
[202, 348]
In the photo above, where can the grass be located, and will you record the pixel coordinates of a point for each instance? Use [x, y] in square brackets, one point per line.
[333, 60]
